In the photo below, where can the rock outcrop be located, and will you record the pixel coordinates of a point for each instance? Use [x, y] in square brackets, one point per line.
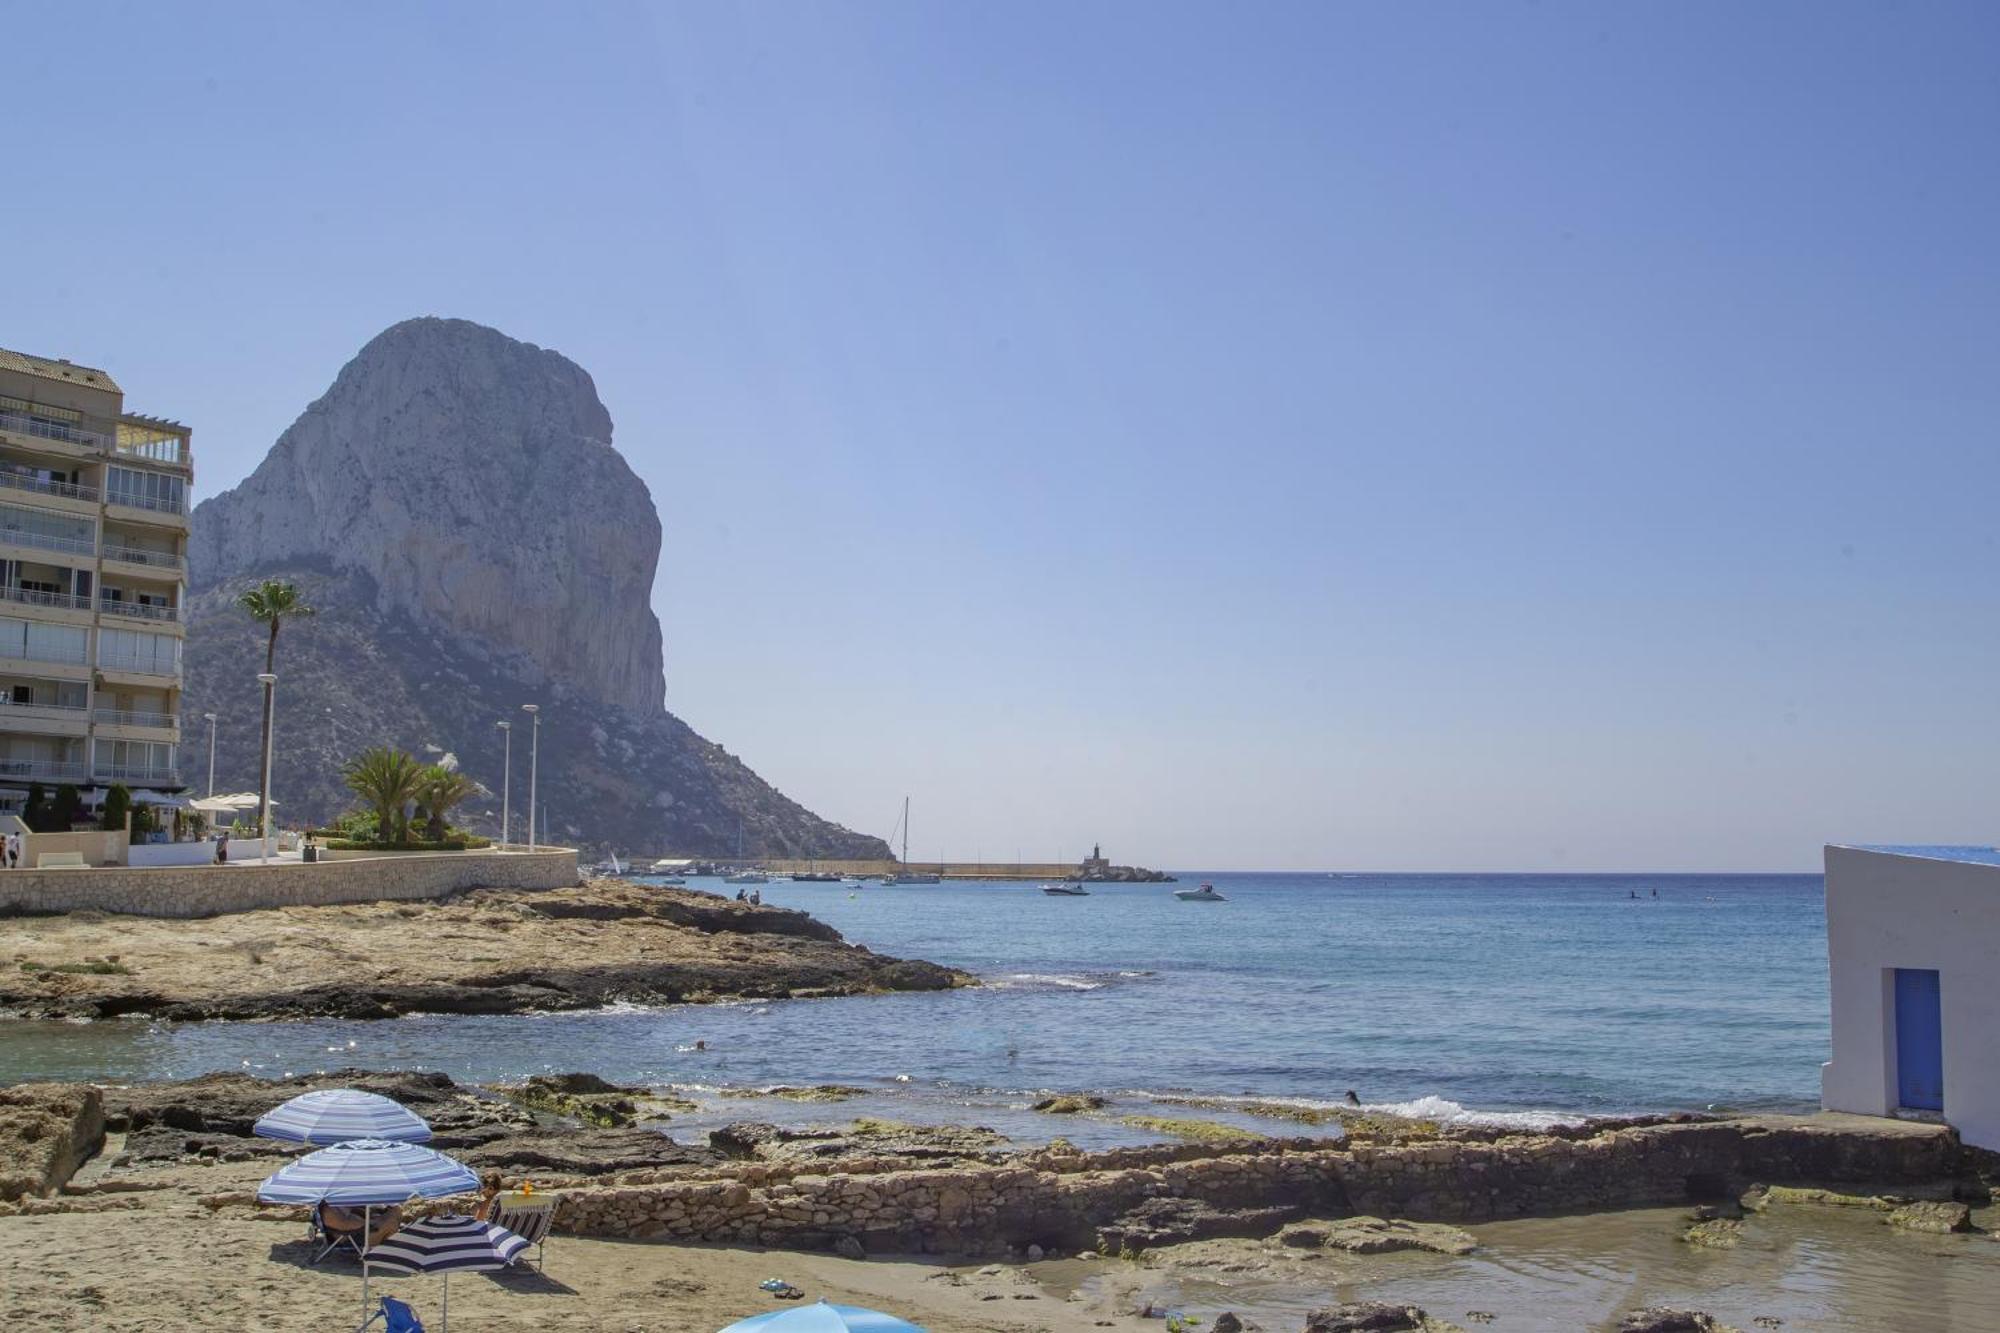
[454, 509]
[47, 1130]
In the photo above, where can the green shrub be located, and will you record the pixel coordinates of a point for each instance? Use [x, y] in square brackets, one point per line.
[117, 805]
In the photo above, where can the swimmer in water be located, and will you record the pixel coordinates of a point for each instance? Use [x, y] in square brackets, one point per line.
[1352, 1100]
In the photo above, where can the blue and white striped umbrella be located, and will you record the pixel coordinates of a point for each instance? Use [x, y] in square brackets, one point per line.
[448, 1244]
[367, 1171]
[341, 1115]
[823, 1318]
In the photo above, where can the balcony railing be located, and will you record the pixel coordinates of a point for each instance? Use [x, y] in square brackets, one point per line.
[25, 481]
[163, 447]
[138, 610]
[143, 773]
[58, 712]
[157, 503]
[36, 597]
[138, 555]
[23, 423]
[126, 717]
[48, 541]
[67, 656]
[144, 665]
[47, 770]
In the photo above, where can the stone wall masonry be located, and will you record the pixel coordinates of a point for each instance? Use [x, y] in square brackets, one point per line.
[1062, 1200]
[197, 891]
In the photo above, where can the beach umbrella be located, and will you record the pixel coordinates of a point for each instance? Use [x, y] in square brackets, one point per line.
[342, 1115]
[823, 1318]
[365, 1172]
[448, 1244]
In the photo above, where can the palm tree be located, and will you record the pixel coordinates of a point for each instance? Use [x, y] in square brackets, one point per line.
[438, 790]
[269, 603]
[388, 780]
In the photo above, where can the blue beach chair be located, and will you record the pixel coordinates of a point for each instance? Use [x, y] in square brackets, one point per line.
[396, 1317]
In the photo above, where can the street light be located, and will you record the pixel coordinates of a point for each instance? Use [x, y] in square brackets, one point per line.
[506, 782]
[211, 752]
[270, 705]
[534, 712]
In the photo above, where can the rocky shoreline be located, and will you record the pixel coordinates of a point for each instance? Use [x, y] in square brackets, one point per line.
[490, 951]
[877, 1194]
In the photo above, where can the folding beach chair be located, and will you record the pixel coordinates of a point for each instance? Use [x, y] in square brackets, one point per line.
[329, 1240]
[396, 1317]
[527, 1216]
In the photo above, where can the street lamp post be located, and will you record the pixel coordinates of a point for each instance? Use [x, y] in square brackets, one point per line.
[534, 712]
[270, 712]
[211, 752]
[506, 782]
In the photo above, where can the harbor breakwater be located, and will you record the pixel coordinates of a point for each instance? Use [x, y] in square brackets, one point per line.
[1127, 1199]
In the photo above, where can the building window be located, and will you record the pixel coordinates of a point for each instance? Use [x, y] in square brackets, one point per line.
[146, 490]
[131, 650]
[45, 643]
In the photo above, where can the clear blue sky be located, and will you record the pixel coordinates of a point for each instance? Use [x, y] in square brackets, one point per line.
[1491, 436]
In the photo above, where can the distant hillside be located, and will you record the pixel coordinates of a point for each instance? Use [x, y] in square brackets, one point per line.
[454, 508]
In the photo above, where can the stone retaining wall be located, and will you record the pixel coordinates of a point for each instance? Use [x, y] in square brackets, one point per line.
[194, 891]
[1062, 1200]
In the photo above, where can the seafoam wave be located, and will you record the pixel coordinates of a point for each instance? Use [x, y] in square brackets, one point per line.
[1043, 981]
[1447, 1112]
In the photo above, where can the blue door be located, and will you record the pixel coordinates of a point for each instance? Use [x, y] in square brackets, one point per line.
[1919, 1040]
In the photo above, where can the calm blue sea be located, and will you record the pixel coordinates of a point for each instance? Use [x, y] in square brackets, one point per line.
[1525, 995]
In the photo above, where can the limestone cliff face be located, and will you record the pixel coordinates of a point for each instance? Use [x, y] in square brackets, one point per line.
[471, 478]
[455, 511]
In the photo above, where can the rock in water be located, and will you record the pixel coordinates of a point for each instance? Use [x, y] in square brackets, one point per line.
[454, 508]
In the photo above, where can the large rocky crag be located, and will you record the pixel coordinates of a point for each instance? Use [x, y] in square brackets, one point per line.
[454, 509]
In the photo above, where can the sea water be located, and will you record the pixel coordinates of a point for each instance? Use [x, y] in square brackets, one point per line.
[1508, 998]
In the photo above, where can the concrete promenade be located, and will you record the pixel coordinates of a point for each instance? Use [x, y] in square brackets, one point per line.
[211, 890]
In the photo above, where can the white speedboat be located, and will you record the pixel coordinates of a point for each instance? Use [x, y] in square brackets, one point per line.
[1205, 894]
[747, 877]
[1065, 890]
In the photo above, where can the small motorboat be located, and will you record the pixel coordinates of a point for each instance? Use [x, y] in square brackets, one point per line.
[1065, 890]
[815, 877]
[1205, 894]
[747, 877]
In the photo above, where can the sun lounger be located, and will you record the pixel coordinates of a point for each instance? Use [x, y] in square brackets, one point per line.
[61, 861]
[527, 1216]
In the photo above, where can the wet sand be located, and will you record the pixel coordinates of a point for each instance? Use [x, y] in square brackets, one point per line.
[1822, 1269]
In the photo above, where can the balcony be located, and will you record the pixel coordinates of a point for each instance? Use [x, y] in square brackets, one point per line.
[145, 666]
[125, 717]
[152, 440]
[138, 610]
[36, 597]
[142, 774]
[23, 423]
[48, 541]
[138, 555]
[26, 481]
[45, 653]
[44, 770]
[158, 504]
[51, 712]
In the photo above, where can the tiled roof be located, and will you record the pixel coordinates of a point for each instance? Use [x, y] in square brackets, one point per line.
[66, 372]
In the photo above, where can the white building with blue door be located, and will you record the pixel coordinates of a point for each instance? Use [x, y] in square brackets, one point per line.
[1913, 957]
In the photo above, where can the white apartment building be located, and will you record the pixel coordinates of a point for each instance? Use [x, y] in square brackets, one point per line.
[93, 570]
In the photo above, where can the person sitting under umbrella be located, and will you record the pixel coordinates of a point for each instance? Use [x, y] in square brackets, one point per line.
[344, 1223]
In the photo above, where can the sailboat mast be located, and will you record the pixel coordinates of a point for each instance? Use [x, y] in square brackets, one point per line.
[906, 832]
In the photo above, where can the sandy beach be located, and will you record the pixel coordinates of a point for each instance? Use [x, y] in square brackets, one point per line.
[171, 1247]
